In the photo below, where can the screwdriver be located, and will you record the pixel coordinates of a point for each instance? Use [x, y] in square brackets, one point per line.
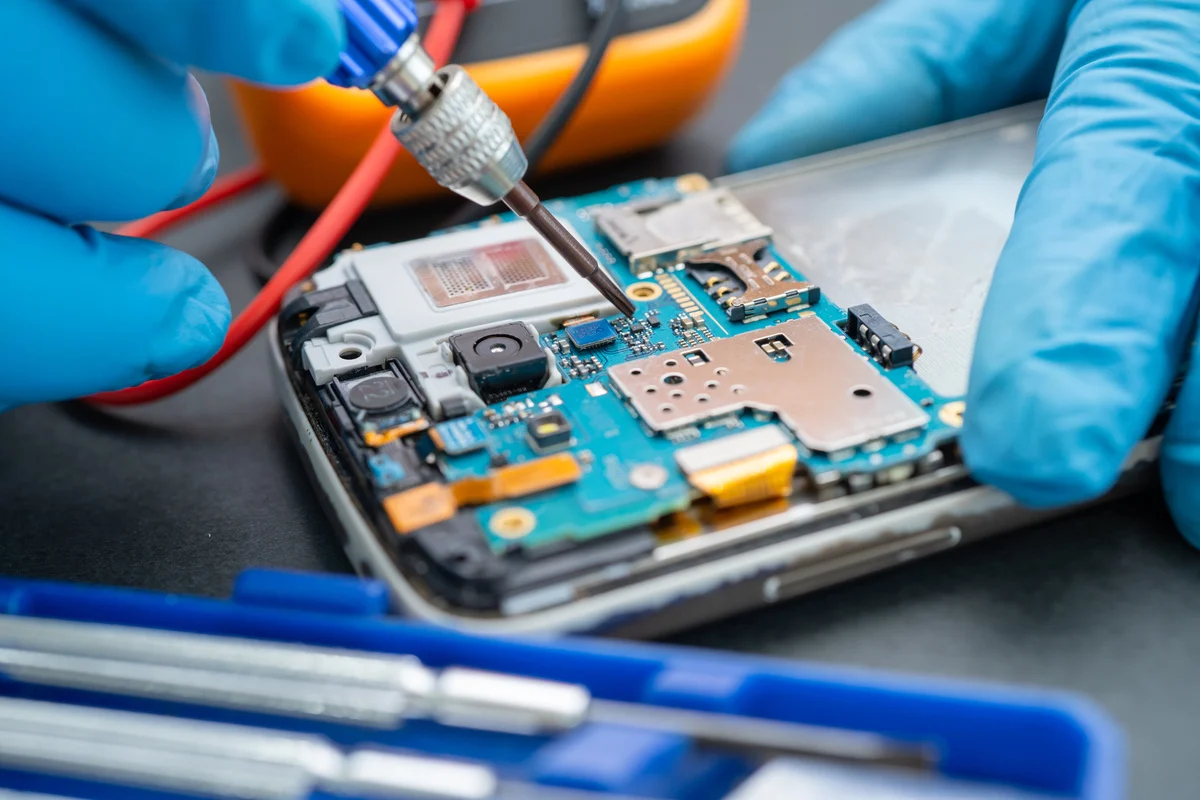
[526, 204]
[216, 759]
[451, 127]
[382, 691]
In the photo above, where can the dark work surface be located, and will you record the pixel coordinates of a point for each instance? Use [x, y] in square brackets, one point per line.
[186, 494]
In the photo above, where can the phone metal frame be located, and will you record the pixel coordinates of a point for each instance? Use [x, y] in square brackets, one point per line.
[801, 549]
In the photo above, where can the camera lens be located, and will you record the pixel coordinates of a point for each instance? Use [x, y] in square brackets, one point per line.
[498, 344]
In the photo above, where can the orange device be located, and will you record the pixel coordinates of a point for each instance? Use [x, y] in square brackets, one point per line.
[523, 53]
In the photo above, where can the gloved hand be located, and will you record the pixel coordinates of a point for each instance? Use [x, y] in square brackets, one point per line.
[1094, 296]
[102, 122]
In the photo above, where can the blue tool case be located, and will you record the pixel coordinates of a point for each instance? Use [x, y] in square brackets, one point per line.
[1008, 740]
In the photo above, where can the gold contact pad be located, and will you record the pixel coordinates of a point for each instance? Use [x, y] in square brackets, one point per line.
[769, 287]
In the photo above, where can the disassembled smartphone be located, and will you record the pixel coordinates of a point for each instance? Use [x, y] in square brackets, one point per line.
[511, 455]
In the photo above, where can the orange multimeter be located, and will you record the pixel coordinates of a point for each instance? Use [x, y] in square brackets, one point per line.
[523, 53]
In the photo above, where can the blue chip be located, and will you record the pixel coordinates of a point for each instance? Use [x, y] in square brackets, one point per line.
[459, 436]
[587, 335]
[386, 470]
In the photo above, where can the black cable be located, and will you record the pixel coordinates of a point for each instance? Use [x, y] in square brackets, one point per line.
[605, 30]
[265, 256]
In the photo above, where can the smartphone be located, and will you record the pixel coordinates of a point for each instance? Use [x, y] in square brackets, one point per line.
[510, 455]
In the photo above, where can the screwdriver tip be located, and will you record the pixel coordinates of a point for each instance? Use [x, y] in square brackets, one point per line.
[526, 204]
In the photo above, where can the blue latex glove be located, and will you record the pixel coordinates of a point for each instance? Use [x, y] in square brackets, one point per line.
[103, 123]
[1094, 294]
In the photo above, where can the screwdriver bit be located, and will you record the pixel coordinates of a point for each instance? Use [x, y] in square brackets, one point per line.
[525, 204]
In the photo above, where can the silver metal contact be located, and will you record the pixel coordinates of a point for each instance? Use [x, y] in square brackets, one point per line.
[409, 79]
[513, 703]
[852, 403]
[464, 140]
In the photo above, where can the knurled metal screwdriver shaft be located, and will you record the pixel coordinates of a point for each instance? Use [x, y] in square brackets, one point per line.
[527, 205]
[451, 127]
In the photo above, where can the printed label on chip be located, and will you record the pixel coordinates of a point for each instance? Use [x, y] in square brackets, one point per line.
[488, 271]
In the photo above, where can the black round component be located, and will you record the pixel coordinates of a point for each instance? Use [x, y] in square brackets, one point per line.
[498, 344]
[381, 393]
[501, 360]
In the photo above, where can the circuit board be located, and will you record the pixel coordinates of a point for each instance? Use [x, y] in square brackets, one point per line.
[504, 428]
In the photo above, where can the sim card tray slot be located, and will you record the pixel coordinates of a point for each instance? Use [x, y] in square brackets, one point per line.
[811, 577]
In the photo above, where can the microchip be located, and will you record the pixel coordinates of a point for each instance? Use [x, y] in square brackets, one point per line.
[549, 431]
[385, 470]
[459, 436]
[492, 270]
[587, 335]
[395, 467]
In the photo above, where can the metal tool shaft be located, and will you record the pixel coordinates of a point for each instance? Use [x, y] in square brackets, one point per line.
[766, 738]
[524, 203]
[458, 134]
[219, 760]
[382, 691]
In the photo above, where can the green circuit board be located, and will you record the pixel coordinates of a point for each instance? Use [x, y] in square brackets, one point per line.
[729, 344]
[614, 440]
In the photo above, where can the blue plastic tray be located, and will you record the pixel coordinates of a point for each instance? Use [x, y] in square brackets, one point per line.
[1042, 742]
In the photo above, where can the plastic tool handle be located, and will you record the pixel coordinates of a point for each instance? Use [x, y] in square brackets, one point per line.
[375, 31]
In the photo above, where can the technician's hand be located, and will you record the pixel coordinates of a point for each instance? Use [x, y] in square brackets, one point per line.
[1095, 294]
[102, 122]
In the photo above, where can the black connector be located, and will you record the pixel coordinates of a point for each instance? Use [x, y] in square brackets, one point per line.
[307, 315]
[880, 338]
[550, 430]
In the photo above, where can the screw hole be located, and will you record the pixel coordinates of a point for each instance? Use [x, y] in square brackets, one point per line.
[701, 398]
[739, 389]
[673, 379]
[350, 353]
[666, 408]
[635, 372]
[670, 362]
[677, 394]
[862, 391]
[712, 385]
[722, 371]
[650, 390]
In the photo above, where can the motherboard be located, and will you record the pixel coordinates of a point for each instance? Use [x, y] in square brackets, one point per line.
[508, 433]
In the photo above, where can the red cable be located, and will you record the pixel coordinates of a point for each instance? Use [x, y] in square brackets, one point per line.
[325, 234]
[224, 188]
